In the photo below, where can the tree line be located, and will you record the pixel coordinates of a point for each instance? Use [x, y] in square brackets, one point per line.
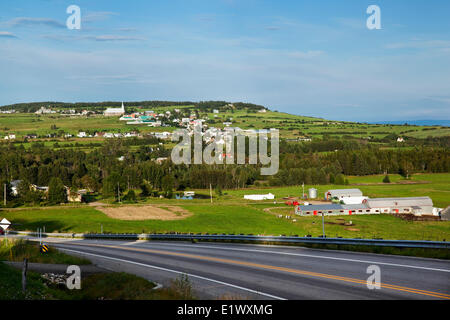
[116, 168]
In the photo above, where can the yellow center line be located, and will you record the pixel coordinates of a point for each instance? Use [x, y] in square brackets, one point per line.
[270, 267]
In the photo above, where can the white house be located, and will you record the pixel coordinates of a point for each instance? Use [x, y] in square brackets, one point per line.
[44, 110]
[155, 124]
[82, 134]
[400, 139]
[10, 137]
[15, 187]
[163, 135]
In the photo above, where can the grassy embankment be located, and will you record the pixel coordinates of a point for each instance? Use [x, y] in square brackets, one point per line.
[104, 286]
[247, 219]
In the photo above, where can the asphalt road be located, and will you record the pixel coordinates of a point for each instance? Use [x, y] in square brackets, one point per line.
[219, 270]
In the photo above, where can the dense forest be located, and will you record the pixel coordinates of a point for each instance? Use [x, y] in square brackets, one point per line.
[104, 170]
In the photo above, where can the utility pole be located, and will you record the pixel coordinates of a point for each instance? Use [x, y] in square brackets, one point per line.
[24, 275]
[118, 191]
[303, 188]
[323, 225]
[210, 191]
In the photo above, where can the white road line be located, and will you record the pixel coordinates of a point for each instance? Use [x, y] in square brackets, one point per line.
[178, 272]
[307, 255]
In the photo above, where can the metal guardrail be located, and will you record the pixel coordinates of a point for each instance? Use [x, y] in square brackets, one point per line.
[248, 238]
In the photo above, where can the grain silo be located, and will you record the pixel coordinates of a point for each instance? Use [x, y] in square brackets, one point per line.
[312, 193]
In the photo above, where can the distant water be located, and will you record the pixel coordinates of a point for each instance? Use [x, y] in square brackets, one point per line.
[443, 123]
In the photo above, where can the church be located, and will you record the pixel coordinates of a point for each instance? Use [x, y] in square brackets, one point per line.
[114, 111]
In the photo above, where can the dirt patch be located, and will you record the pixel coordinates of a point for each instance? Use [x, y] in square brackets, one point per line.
[351, 229]
[149, 212]
[412, 217]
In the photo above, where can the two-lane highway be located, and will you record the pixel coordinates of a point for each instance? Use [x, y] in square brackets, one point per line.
[219, 270]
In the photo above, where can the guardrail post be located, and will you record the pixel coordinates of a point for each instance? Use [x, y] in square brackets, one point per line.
[24, 275]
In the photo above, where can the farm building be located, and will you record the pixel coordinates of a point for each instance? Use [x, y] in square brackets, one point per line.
[333, 209]
[415, 205]
[353, 200]
[341, 193]
[268, 196]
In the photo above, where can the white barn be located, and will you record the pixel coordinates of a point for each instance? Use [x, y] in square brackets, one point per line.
[342, 193]
[268, 196]
[415, 205]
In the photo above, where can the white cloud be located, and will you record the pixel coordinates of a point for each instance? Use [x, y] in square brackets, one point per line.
[6, 34]
[97, 16]
[306, 54]
[420, 44]
[100, 38]
[113, 38]
[27, 21]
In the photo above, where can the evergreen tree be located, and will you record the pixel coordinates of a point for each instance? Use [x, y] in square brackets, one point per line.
[339, 179]
[56, 191]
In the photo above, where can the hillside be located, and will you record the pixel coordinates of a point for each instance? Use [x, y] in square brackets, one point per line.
[243, 115]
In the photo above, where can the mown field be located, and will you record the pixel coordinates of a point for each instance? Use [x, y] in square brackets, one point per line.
[231, 219]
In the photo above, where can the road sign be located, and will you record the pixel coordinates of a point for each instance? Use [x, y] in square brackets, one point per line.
[5, 224]
[43, 248]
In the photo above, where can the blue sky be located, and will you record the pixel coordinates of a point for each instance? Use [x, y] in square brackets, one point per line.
[313, 58]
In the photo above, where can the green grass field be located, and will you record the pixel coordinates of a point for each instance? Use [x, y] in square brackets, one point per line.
[231, 214]
[290, 126]
[246, 219]
[436, 186]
